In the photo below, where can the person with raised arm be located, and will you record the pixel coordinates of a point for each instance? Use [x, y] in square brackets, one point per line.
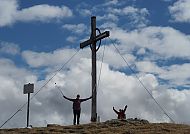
[121, 113]
[76, 107]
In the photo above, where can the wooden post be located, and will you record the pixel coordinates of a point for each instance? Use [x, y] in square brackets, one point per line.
[93, 48]
[92, 41]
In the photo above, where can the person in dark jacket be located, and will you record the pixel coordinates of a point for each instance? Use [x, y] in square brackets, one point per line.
[121, 113]
[76, 107]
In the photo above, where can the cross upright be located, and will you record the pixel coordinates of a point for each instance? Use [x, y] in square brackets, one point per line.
[92, 42]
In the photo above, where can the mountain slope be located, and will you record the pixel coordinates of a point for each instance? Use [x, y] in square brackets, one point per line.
[129, 126]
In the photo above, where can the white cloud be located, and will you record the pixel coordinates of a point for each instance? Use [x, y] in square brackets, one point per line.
[8, 9]
[176, 102]
[151, 48]
[125, 90]
[164, 42]
[49, 106]
[141, 51]
[111, 2]
[148, 67]
[168, 0]
[9, 48]
[11, 88]
[177, 74]
[136, 16]
[85, 12]
[43, 13]
[84, 9]
[78, 28]
[71, 39]
[115, 61]
[109, 17]
[180, 11]
[57, 57]
[10, 13]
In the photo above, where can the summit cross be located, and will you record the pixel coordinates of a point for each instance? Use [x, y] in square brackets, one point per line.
[92, 42]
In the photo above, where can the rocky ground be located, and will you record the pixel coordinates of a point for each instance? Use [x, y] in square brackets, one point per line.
[129, 126]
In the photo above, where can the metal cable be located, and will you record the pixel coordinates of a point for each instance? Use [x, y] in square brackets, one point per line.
[142, 83]
[101, 67]
[41, 88]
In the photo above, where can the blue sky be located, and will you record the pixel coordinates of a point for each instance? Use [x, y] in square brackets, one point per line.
[37, 37]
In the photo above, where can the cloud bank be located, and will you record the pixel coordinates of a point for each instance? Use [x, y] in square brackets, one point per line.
[121, 87]
[180, 11]
[49, 106]
[10, 13]
[9, 48]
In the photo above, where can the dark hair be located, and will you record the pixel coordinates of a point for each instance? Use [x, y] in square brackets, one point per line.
[78, 95]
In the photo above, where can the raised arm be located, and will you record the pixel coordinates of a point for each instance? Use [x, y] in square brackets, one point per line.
[86, 99]
[68, 98]
[125, 108]
[115, 110]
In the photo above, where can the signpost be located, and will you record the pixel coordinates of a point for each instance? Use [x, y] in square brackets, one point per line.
[28, 88]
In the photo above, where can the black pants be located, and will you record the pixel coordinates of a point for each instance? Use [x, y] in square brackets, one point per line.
[76, 114]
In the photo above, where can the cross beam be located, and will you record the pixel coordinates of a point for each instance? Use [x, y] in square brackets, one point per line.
[92, 41]
[98, 37]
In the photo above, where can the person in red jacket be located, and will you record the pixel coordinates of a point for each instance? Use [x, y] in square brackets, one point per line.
[121, 113]
[76, 107]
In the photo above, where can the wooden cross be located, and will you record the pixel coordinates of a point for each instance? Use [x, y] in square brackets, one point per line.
[92, 42]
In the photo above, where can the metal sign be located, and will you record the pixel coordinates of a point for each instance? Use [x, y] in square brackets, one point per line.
[28, 88]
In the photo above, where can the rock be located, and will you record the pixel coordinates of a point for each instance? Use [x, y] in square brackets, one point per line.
[53, 125]
[137, 121]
